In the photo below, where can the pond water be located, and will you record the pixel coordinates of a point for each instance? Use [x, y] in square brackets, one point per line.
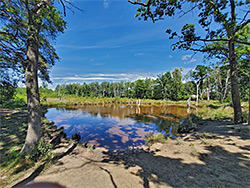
[117, 126]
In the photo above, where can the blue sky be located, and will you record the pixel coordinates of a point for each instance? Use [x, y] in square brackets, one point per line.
[107, 43]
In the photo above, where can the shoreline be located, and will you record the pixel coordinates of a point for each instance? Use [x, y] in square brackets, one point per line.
[218, 154]
[214, 146]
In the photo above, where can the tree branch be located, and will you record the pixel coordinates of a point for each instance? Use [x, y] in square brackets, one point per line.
[224, 40]
[72, 5]
[184, 13]
[242, 25]
[213, 40]
[64, 11]
[242, 42]
[139, 3]
[39, 5]
[208, 49]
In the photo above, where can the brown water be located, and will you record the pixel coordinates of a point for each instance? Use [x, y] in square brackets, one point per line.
[117, 126]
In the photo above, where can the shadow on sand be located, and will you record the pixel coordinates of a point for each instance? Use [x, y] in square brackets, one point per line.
[38, 170]
[221, 168]
[217, 168]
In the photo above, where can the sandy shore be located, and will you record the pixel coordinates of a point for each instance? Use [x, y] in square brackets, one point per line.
[218, 158]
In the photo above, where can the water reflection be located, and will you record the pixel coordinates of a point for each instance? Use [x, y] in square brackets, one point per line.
[117, 127]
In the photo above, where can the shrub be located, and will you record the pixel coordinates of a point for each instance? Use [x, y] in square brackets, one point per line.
[42, 151]
[7, 91]
[155, 138]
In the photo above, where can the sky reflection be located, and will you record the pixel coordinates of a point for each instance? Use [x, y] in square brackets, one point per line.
[116, 127]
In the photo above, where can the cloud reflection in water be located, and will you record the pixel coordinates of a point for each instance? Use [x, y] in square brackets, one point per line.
[115, 127]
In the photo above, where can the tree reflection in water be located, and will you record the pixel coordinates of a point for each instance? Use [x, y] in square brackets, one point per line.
[117, 126]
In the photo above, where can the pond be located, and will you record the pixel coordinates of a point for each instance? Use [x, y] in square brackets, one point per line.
[117, 126]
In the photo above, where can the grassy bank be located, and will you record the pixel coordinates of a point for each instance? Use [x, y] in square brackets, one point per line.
[213, 110]
[12, 137]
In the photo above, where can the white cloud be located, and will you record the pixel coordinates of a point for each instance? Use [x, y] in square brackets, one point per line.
[188, 59]
[170, 56]
[102, 77]
[186, 70]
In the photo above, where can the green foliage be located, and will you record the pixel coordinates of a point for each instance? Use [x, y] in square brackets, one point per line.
[221, 113]
[194, 153]
[177, 86]
[206, 141]
[165, 87]
[12, 160]
[155, 138]
[7, 91]
[15, 103]
[42, 151]
[191, 144]
[42, 24]
[168, 86]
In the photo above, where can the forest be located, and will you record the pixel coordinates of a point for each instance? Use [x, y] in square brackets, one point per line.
[208, 83]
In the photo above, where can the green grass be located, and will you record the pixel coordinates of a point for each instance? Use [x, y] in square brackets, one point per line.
[12, 136]
[18, 103]
[194, 152]
[155, 138]
[179, 141]
[69, 100]
[220, 113]
[191, 144]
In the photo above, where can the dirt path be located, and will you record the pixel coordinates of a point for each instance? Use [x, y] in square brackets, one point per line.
[218, 158]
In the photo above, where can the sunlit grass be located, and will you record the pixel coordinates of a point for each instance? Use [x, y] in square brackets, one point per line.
[12, 164]
[155, 138]
[220, 113]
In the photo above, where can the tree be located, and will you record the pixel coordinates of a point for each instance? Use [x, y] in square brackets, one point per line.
[26, 35]
[221, 78]
[198, 75]
[140, 89]
[221, 21]
[177, 85]
[249, 91]
[190, 87]
[164, 83]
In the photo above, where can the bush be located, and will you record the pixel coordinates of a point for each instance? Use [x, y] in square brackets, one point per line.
[7, 91]
[155, 138]
[42, 151]
[14, 103]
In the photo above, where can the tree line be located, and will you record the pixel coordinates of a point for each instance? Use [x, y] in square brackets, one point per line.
[201, 83]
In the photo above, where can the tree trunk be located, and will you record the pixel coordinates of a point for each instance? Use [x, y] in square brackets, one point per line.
[226, 85]
[197, 92]
[249, 93]
[234, 84]
[208, 96]
[33, 99]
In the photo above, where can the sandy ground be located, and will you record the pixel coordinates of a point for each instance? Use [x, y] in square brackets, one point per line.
[220, 158]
